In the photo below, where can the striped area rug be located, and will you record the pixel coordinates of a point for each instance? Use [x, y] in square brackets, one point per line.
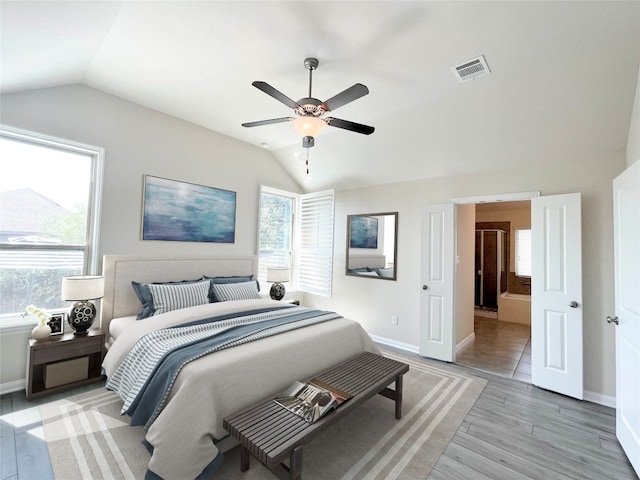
[87, 437]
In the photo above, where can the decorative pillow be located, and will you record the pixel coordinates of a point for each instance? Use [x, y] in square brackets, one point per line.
[372, 273]
[225, 280]
[359, 270]
[236, 291]
[174, 297]
[145, 297]
[385, 272]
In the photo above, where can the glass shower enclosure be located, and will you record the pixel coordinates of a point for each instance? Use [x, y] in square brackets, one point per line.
[491, 268]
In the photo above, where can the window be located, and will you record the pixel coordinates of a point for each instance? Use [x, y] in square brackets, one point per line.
[49, 195]
[310, 230]
[523, 252]
[276, 230]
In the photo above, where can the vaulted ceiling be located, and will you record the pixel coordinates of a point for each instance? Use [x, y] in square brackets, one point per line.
[563, 75]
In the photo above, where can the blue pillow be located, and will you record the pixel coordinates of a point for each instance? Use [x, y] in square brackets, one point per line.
[223, 280]
[146, 298]
[236, 291]
[177, 296]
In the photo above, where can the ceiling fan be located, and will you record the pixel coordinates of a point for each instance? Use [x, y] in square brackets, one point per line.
[310, 119]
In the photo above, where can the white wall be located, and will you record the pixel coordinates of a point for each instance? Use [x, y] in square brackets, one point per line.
[373, 302]
[633, 143]
[140, 141]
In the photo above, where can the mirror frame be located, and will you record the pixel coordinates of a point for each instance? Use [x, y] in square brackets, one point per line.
[395, 244]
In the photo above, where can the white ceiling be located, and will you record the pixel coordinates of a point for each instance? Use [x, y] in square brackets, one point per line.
[563, 75]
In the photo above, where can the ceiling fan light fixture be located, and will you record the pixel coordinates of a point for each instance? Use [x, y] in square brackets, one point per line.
[309, 126]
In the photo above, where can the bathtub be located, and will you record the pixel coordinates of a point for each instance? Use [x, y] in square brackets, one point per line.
[514, 308]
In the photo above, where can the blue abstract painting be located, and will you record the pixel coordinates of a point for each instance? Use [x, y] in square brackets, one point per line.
[187, 212]
[364, 232]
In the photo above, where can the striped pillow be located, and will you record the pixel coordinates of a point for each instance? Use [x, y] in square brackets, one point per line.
[174, 297]
[236, 291]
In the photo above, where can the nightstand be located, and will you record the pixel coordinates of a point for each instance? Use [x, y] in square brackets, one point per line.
[64, 361]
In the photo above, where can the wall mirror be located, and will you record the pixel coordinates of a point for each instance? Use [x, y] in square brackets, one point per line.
[372, 245]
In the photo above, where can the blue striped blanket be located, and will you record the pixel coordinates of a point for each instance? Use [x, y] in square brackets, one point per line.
[145, 377]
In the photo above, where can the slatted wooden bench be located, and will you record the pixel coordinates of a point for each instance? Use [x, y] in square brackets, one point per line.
[271, 433]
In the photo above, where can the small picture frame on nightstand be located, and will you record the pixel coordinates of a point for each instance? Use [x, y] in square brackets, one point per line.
[57, 323]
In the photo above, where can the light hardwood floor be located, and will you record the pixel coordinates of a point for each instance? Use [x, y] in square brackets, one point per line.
[514, 431]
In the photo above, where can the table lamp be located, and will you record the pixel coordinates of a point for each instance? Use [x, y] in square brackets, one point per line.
[277, 276]
[81, 289]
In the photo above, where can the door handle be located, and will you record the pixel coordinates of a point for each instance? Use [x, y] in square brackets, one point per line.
[425, 287]
[613, 320]
[573, 304]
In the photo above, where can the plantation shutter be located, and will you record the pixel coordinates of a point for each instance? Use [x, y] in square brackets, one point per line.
[315, 243]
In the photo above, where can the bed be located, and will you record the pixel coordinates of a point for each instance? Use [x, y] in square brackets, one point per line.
[185, 437]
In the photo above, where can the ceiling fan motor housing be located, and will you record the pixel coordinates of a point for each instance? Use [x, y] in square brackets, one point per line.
[310, 106]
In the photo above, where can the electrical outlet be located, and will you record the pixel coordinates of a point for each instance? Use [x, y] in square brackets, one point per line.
[394, 319]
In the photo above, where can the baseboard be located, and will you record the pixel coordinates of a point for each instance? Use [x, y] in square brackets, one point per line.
[11, 387]
[470, 338]
[599, 398]
[394, 343]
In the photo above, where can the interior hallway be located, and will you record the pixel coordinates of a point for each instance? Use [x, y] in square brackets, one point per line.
[500, 348]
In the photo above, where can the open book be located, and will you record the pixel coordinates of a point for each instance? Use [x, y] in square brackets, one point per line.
[311, 400]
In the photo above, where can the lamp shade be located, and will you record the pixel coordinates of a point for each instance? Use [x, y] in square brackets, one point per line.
[278, 274]
[309, 126]
[79, 288]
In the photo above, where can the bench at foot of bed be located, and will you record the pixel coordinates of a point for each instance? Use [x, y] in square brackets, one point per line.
[271, 433]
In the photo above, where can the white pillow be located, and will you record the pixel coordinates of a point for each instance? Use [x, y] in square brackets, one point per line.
[386, 272]
[236, 291]
[176, 296]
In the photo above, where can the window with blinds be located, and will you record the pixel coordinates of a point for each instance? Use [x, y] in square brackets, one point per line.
[315, 243]
[523, 252]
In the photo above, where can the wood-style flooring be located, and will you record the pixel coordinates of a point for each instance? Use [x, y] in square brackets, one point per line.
[514, 431]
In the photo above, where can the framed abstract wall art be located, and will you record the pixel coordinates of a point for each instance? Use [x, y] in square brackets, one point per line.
[363, 232]
[187, 212]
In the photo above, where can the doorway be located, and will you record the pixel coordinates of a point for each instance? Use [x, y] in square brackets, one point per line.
[501, 339]
[556, 293]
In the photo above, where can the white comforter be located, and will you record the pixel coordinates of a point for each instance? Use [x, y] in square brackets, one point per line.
[219, 384]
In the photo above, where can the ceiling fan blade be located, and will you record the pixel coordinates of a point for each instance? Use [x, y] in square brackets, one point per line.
[349, 95]
[352, 126]
[267, 122]
[281, 97]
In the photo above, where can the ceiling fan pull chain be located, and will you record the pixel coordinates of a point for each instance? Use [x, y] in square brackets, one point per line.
[307, 162]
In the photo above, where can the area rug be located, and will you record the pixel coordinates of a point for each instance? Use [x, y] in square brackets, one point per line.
[88, 439]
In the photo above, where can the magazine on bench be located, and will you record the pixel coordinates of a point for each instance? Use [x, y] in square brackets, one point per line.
[311, 400]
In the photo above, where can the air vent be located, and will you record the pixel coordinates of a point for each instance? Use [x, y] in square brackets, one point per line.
[471, 70]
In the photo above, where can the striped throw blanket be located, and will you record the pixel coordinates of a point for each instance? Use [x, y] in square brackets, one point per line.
[145, 377]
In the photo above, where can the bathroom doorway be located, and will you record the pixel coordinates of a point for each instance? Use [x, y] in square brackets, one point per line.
[500, 342]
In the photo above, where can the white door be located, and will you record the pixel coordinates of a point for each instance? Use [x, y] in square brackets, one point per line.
[436, 302]
[626, 234]
[556, 294]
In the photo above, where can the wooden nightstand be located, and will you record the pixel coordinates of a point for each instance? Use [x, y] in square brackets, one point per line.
[46, 357]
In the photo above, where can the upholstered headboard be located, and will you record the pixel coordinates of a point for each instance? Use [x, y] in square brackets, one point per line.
[371, 261]
[119, 270]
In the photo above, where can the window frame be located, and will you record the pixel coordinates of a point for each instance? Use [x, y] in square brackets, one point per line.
[516, 250]
[294, 197]
[297, 237]
[14, 322]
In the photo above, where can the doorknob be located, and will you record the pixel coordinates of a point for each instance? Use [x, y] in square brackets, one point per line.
[613, 320]
[425, 287]
[573, 304]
